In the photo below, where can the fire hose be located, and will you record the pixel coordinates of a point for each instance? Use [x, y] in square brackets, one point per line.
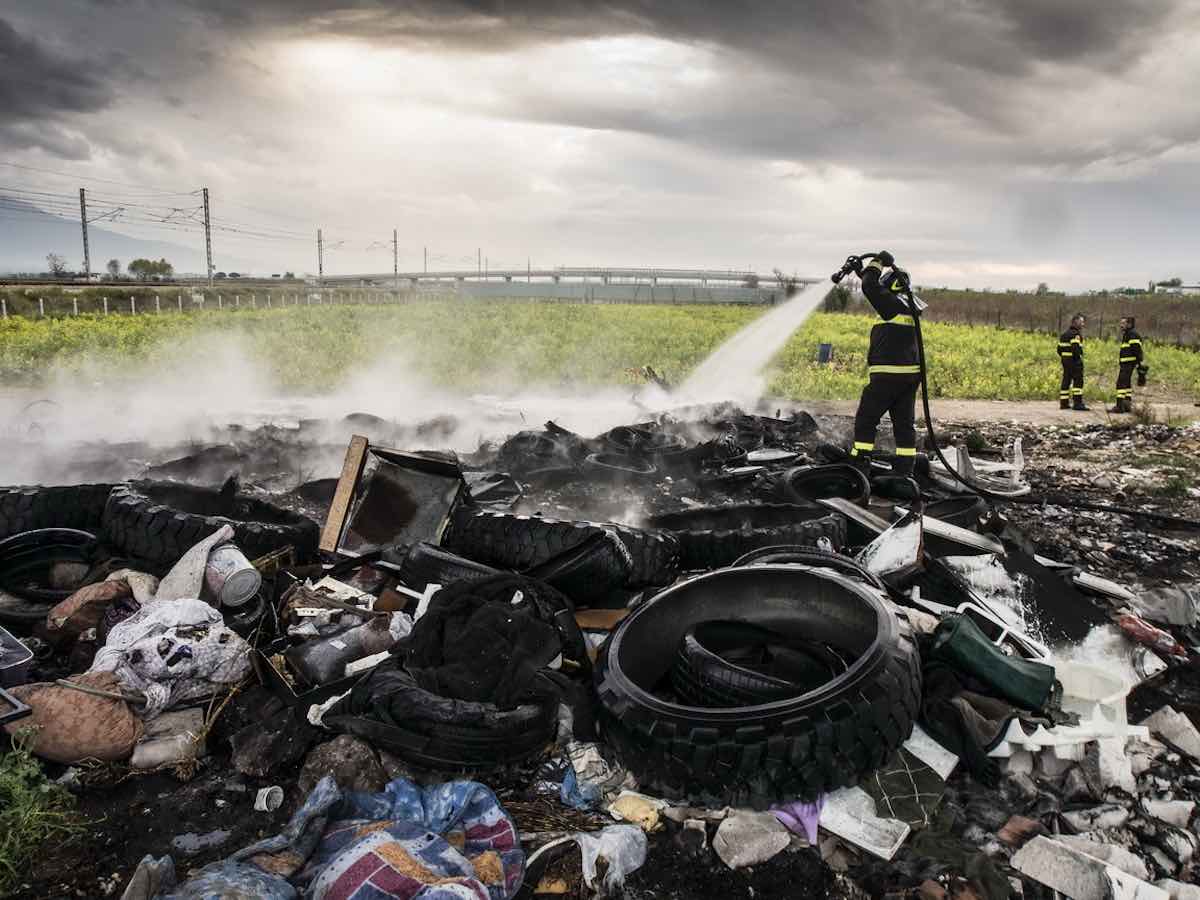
[915, 309]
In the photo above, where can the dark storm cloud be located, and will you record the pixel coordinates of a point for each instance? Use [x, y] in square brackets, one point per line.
[38, 84]
[994, 35]
[954, 80]
[38, 90]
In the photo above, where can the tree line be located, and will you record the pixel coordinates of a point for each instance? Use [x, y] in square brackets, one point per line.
[141, 268]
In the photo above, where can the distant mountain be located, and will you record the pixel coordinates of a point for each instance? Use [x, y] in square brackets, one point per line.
[27, 234]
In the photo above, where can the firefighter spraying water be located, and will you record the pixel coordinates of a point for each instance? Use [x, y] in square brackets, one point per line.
[893, 361]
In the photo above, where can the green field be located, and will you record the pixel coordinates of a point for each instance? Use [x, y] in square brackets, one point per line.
[496, 345]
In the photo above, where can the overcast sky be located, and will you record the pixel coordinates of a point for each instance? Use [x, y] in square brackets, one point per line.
[985, 142]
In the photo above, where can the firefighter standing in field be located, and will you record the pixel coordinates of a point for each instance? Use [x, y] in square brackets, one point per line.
[1129, 357]
[1070, 353]
[892, 364]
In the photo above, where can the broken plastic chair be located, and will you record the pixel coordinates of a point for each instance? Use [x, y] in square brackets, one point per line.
[995, 477]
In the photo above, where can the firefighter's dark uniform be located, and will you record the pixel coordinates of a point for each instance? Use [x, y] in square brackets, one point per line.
[894, 370]
[1070, 351]
[1130, 357]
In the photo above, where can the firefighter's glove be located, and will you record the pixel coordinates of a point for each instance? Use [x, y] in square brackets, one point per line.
[854, 264]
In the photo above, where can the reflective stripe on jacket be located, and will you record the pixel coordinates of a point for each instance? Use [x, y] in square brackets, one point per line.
[1070, 344]
[1131, 347]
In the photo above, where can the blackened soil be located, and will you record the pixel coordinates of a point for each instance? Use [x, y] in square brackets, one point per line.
[672, 873]
[140, 816]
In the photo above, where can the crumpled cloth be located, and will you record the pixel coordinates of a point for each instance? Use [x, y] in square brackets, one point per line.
[449, 841]
[186, 578]
[171, 651]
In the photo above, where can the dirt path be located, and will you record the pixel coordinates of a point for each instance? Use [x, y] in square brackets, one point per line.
[1028, 412]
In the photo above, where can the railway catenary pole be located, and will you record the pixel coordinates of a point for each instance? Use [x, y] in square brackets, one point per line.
[320, 260]
[395, 261]
[87, 255]
[207, 237]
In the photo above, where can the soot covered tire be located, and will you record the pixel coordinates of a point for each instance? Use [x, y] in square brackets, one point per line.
[426, 564]
[794, 747]
[390, 710]
[713, 537]
[157, 522]
[78, 506]
[964, 511]
[804, 484]
[526, 542]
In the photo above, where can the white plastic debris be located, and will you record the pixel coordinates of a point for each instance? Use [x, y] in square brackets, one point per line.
[170, 738]
[1112, 854]
[898, 552]
[1173, 605]
[1097, 696]
[1173, 812]
[1176, 729]
[1079, 876]
[850, 814]
[750, 838]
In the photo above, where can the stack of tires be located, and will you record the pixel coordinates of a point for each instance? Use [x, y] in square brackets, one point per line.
[758, 684]
[397, 708]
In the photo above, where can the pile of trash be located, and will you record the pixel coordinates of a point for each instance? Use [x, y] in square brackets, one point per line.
[772, 664]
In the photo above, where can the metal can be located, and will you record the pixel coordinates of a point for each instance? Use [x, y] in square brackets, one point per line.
[230, 578]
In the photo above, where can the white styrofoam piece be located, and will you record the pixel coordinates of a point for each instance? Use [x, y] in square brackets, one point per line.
[850, 814]
[930, 752]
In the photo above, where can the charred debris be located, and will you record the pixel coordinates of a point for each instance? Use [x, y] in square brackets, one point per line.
[694, 656]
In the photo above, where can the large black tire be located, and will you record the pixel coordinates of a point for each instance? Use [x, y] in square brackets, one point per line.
[526, 542]
[592, 572]
[757, 755]
[713, 537]
[79, 506]
[157, 522]
[734, 664]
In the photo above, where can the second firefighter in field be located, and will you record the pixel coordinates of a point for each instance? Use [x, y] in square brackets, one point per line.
[892, 366]
[1130, 357]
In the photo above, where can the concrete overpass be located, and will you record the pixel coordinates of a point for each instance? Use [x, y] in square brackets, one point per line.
[573, 275]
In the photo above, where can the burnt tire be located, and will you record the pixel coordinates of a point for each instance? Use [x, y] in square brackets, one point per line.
[526, 542]
[735, 664]
[964, 511]
[391, 711]
[143, 520]
[801, 746]
[714, 537]
[78, 506]
[804, 484]
[426, 564]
